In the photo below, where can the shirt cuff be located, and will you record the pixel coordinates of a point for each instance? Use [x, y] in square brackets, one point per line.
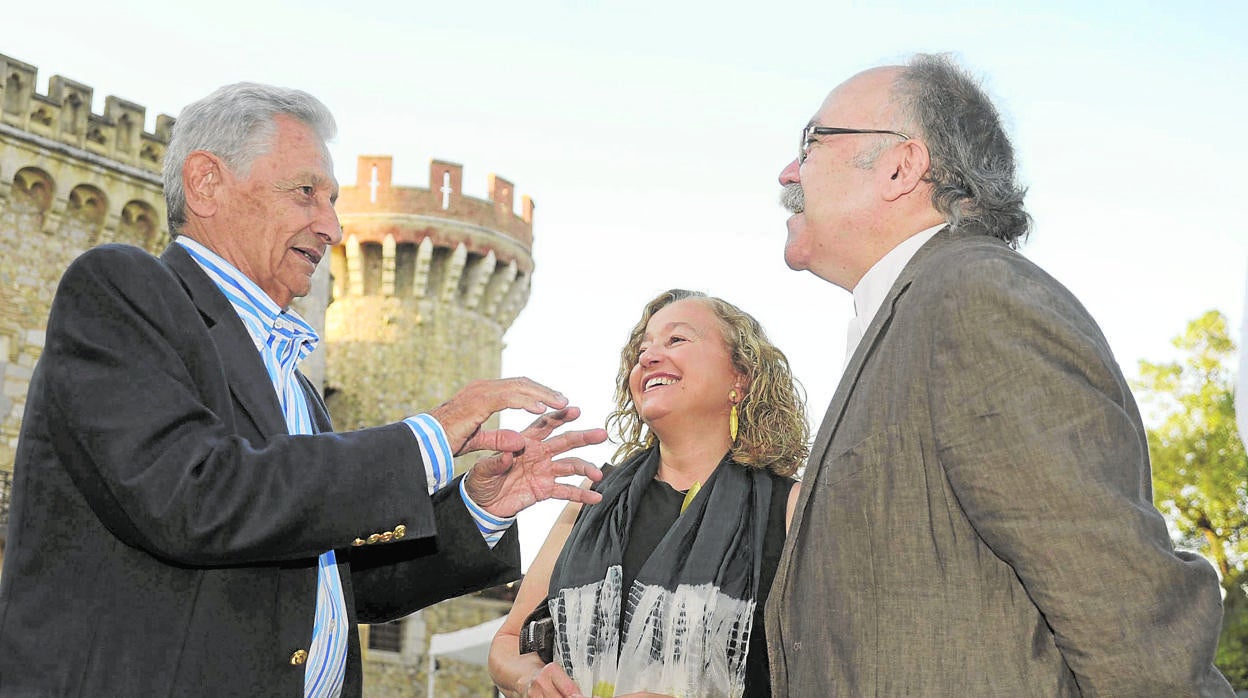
[491, 527]
[435, 452]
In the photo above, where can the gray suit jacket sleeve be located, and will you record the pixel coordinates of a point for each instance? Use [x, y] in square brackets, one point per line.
[1043, 448]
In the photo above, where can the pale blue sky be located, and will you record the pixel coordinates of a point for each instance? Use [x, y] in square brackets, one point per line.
[650, 136]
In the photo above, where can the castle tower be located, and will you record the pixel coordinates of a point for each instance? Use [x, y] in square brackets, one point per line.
[425, 284]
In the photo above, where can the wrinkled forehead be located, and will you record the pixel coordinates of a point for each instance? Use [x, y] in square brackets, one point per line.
[296, 147]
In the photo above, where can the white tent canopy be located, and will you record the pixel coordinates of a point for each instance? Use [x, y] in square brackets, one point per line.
[471, 645]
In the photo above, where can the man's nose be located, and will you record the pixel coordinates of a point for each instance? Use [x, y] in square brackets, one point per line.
[328, 227]
[791, 174]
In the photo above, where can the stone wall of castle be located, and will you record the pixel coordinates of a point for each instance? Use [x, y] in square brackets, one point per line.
[413, 306]
[69, 179]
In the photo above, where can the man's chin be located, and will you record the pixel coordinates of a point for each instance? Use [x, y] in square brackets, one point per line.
[794, 255]
[794, 261]
[301, 290]
[296, 288]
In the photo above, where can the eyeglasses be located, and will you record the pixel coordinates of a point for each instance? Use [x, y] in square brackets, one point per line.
[809, 133]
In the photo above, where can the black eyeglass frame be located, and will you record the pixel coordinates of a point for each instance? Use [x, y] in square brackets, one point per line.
[809, 133]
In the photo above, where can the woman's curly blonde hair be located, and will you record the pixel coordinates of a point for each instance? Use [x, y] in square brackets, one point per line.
[772, 429]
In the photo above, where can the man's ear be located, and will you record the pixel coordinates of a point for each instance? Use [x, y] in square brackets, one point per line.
[203, 175]
[907, 164]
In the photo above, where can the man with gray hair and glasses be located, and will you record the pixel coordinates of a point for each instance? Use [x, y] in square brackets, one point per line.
[976, 516]
[184, 520]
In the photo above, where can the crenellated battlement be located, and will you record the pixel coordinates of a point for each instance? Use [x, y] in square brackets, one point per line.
[78, 177]
[374, 208]
[434, 244]
[64, 116]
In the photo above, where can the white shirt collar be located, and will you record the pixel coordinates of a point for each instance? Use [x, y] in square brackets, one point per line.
[871, 290]
[874, 286]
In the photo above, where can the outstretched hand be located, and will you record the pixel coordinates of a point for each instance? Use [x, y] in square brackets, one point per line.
[507, 482]
[461, 417]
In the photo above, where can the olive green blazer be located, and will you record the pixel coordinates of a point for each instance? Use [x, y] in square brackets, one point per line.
[976, 517]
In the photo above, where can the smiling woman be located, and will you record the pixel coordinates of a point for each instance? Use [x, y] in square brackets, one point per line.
[660, 587]
[681, 370]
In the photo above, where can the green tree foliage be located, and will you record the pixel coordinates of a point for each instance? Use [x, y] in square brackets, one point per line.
[1200, 470]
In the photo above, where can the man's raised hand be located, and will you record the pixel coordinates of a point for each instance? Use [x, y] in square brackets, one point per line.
[507, 482]
[461, 417]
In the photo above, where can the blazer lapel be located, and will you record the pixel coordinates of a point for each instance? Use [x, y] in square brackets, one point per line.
[245, 372]
[316, 406]
[849, 381]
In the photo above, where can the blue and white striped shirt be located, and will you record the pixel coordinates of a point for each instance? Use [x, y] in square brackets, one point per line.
[283, 340]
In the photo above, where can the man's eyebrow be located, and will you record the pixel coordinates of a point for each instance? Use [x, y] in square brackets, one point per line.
[310, 177]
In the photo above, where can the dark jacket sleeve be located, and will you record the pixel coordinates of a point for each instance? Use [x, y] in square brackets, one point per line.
[155, 438]
[394, 580]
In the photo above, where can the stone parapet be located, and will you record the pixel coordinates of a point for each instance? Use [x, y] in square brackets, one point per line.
[64, 116]
[413, 213]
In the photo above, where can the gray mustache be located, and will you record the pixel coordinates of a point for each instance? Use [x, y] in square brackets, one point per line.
[793, 198]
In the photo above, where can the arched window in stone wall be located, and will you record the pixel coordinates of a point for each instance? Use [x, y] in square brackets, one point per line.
[13, 94]
[89, 206]
[139, 225]
[32, 191]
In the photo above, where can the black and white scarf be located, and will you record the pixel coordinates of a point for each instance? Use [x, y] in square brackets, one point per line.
[688, 616]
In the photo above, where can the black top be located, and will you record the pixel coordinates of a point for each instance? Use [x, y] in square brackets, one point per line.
[659, 509]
